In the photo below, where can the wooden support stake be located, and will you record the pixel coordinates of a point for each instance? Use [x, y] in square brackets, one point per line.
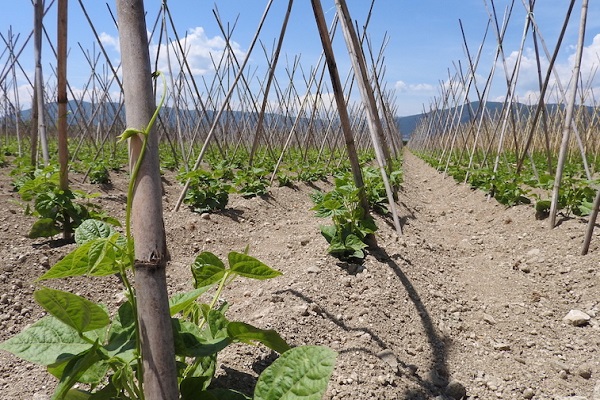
[375, 126]
[156, 332]
[562, 155]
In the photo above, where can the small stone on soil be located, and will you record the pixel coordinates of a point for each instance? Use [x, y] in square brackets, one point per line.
[528, 393]
[577, 318]
[390, 358]
[456, 390]
[313, 270]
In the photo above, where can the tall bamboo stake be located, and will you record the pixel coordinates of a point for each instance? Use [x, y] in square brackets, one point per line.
[261, 115]
[340, 101]
[39, 80]
[156, 334]
[544, 86]
[63, 151]
[569, 115]
[375, 127]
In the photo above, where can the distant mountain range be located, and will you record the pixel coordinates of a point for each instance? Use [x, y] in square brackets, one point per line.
[406, 124]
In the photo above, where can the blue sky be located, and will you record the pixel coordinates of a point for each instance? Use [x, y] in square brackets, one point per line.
[425, 41]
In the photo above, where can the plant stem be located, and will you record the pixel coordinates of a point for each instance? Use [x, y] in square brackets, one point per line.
[130, 248]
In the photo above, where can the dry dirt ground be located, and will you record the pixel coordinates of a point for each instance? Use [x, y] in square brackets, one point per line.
[470, 299]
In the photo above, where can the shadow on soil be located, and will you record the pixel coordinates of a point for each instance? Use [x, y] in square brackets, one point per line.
[431, 383]
[434, 381]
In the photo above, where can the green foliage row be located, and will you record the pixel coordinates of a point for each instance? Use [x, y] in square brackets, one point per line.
[576, 193]
[347, 237]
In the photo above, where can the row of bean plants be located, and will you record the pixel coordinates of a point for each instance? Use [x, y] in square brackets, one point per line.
[532, 186]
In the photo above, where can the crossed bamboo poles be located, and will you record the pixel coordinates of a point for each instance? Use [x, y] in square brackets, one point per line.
[519, 126]
[239, 107]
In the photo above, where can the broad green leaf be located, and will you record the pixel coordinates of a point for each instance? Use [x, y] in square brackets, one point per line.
[45, 341]
[181, 301]
[215, 321]
[75, 311]
[73, 264]
[190, 341]
[76, 394]
[192, 388]
[300, 373]
[93, 375]
[329, 232]
[543, 206]
[585, 208]
[208, 258]
[122, 346]
[76, 367]
[247, 333]
[367, 225]
[125, 316]
[121, 338]
[91, 229]
[103, 256]
[207, 269]
[354, 243]
[44, 227]
[250, 267]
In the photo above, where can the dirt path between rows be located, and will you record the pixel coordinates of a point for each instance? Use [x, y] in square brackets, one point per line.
[469, 301]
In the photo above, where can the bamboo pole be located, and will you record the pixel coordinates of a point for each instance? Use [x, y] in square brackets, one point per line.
[39, 80]
[273, 66]
[569, 115]
[375, 127]
[340, 101]
[63, 151]
[544, 87]
[151, 255]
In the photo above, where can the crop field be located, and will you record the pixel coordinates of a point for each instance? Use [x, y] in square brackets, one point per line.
[248, 238]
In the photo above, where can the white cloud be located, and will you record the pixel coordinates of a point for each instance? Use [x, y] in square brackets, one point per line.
[404, 87]
[109, 41]
[199, 51]
[528, 82]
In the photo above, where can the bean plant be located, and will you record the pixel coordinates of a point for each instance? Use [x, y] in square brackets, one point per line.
[81, 343]
[575, 195]
[351, 226]
[57, 210]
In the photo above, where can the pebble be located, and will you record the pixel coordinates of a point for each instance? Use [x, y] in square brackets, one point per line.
[302, 310]
[456, 390]
[525, 268]
[489, 319]
[390, 358]
[584, 371]
[562, 374]
[528, 393]
[501, 346]
[313, 270]
[577, 318]
[45, 261]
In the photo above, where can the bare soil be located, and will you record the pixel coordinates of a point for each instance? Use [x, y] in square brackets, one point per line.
[470, 299]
